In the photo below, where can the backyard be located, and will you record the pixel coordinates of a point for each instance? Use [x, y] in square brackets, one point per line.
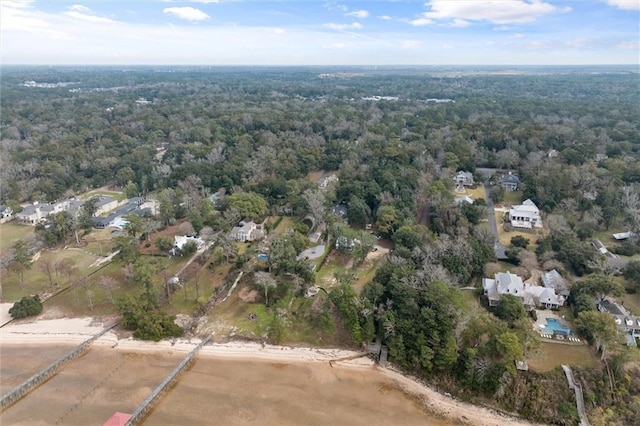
[505, 236]
[550, 355]
[11, 232]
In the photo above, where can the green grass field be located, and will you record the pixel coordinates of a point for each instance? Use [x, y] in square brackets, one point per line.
[11, 232]
[505, 237]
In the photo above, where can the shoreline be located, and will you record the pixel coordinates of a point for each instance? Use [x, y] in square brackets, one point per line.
[73, 331]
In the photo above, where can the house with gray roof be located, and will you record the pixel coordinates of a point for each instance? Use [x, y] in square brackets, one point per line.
[532, 296]
[557, 282]
[627, 323]
[463, 178]
[509, 182]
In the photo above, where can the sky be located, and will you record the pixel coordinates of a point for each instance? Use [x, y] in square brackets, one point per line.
[308, 32]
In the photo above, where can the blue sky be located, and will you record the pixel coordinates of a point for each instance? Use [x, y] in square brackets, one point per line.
[307, 32]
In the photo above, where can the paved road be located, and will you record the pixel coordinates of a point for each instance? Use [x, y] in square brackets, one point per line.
[498, 248]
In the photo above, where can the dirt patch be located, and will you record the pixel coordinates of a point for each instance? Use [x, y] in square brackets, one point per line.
[248, 295]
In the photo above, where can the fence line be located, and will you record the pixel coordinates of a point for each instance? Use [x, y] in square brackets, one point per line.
[142, 409]
[43, 375]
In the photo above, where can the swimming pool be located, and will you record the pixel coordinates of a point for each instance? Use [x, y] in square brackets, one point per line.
[263, 257]
[555, 326]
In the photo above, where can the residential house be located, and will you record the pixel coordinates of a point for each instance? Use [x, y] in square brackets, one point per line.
[509, 182]
[530, 295]
[327, 180]
[463, 178]
[525, 215]
[33, 214]
[133, 206]
[460, 200]
[104, 204]
[246, 231]
[6, 214]
[624, 235]
[557, 282]
[627, 323]
[180, 241]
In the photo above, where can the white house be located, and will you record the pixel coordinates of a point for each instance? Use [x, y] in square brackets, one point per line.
[33, 214]
[525, 215]
[6, 214]
[463, 178]
[461, 200]
[180, 241]
[530, 295]
[246, 231]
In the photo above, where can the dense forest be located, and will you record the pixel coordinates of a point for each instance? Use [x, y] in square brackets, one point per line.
[395, 137]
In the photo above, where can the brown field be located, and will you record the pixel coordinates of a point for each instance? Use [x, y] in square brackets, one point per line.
[213, 391]
[551, 355]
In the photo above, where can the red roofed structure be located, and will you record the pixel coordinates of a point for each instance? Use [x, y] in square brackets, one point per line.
[118, 419]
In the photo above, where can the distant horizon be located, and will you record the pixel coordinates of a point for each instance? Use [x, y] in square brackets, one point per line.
[293, 65]
[320, 32]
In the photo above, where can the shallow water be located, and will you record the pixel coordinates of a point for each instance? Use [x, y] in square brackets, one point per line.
[212, 391]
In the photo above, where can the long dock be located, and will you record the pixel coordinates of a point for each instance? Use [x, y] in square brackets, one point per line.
[142, 409]
[45, 374]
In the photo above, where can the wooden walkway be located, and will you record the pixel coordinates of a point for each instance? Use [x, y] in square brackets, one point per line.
[577, 388]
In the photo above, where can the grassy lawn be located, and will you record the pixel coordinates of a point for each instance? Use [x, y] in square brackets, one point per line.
[11, 231]
[474, 193]
[631, 302]
[36, 280]
[512, 197]
[115, 194]
[470, 299]
[285, 223]
[551, 355]
[505, 237]
[315, 176]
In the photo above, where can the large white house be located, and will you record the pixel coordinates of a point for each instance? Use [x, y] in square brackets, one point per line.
[530, 295]
[33, 214]
[525, 215]
[246, 231]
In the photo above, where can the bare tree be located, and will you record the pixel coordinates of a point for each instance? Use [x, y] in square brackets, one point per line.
[47, 266]
[266, 281]
[109, 284]
[315, 201]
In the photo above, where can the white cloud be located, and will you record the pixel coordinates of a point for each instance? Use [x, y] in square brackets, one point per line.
[79, 8]
[187, 13]
[577, 43]
[447, 46]
[459, 23]
[83, 13]
[343, 27]
[385, 17]
[628, 45]
[359, 14]
[410, 44]
[625, 4]
[516, 35]
[279, 31]
[336, 45]
[420, 22]
[495, 11]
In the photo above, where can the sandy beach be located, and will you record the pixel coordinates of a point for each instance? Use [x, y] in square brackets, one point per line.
[72, 331]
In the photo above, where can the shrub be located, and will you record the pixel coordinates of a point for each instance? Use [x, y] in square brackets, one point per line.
[28, 306]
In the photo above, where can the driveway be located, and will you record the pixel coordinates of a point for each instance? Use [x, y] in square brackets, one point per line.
[498, 248]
